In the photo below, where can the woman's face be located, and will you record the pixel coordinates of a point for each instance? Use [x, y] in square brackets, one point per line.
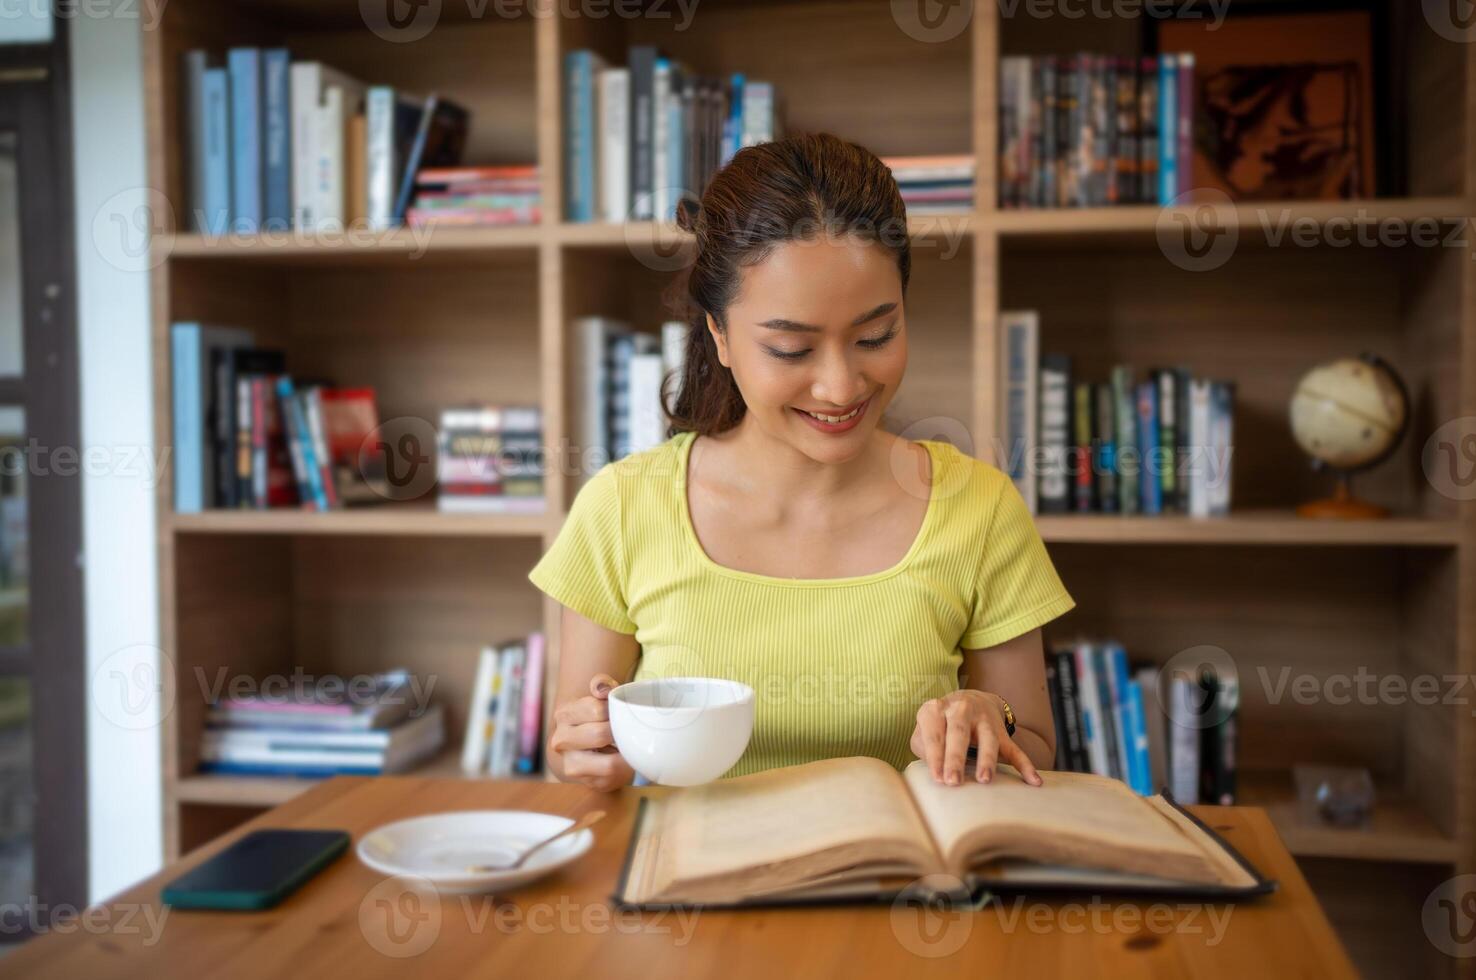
[818, 327]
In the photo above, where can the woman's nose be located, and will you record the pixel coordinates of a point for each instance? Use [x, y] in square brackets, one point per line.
[839, 382]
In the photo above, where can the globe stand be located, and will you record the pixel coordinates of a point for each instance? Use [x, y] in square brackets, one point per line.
[1342, 506]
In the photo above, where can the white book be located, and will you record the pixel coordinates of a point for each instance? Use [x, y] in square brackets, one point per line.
[479, 714]
[614, 144]
[758, 113]
[307, 81]
[1019, 360]
[592, 385]
[451, 503]
[1222, 442]
[1183, 740]
[647, 420]
[379, 121]
[1089, 700]
[663, 199]
[509, 712]
[1202, 463]
[674, 353]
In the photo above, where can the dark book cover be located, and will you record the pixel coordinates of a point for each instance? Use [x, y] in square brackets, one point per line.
[1148, 130]
[641, 59]
[1066, 681]
[1066, 71]
[1083, 490]
[1110, 735]
[1168, 438]
[439, 142]
[1105, 449]
[1050, 107]
[1125, 153]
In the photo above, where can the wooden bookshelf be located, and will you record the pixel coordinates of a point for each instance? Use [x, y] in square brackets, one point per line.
[431, 317]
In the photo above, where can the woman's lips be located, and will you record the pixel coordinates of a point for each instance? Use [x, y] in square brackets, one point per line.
[834, 427]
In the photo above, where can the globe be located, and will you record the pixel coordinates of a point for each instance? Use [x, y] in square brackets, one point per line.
[1349, 415]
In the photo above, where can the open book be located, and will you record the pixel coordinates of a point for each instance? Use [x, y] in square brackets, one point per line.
[854, 828]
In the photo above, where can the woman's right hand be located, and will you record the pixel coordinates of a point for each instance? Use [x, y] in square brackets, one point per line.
[584, 743]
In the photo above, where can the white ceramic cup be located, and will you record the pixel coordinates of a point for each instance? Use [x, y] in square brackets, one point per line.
[681, 731]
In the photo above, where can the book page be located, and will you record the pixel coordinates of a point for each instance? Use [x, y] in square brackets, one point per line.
[1075, 819]
[787, 825]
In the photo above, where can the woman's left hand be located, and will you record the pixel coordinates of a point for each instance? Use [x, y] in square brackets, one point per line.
[947, 726]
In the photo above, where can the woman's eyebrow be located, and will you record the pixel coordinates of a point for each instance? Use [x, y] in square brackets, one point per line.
[779, 323]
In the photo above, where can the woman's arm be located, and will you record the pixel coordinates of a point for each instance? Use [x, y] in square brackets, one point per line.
[1015, 671]
[580, 747]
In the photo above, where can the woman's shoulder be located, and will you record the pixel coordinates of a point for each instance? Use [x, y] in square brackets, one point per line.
[962, 474]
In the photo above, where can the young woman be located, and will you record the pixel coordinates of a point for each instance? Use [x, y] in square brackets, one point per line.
[882, 596]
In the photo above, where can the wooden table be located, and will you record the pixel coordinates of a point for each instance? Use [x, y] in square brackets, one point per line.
[352, 922]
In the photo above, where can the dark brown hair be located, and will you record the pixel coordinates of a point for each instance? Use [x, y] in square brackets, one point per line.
[793, 189]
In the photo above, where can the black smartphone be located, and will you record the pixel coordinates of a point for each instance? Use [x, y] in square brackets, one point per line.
[257, 871]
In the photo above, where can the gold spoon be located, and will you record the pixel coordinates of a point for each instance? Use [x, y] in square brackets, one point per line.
[588, 820]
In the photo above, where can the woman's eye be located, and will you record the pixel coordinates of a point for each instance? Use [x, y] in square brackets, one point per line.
[787, 355]
[874, 342]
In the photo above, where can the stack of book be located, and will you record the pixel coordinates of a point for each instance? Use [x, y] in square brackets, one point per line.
[490, 459]
[638, 137]
[1135, 724]
[505, 717]
[331, 727]
[1158, 445]
[936, 184]
[275, 144]
[1087, 130]
[476, 196]
[246, 435]
[622, 376]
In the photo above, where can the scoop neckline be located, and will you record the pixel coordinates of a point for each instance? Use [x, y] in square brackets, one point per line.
[689, 530]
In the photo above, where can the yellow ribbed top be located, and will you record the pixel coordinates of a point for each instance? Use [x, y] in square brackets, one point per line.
[839, 666]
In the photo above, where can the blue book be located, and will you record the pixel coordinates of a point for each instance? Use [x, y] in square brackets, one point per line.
[1129, 728]
[733, 125]
[579, 135]
[1168, 129]
[1150, 487]
[1141, 778]
[274, 769]
[247, 180]
[294, 421]
[215, 204]
[278, 151]
[189, 418]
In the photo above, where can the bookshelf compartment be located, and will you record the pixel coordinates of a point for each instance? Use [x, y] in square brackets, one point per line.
[265, 606]
[1262, 320]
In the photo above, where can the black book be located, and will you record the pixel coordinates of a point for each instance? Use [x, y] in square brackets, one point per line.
[1076, 754]
[641, 60]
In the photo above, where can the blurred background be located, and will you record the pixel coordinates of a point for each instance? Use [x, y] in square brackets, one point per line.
[315, 315]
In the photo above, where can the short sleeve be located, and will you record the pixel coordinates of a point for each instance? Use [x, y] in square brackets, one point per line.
[1017, 588]
[585, 569]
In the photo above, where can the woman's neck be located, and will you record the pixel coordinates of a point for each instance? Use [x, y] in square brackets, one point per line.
[761, 463]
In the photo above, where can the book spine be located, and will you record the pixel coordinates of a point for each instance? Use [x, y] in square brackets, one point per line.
[1111, 727]
[1117, 671]
[259, 436]
[660, 179]
[294, 441]
[379, 107]
[1106, 448]
[193, 65]
[1126, 152]
[1168, 123]
[1168, 439]
[531, 724]
[318, 438]
[1020, 337]
[244, 65]
[1136, 724]
[1153, 722]
[1129, 463]
[478, 712]
[277, 117]
[189, 437]
[1183, 740]
[578, 155]
[1150, 491]
[1185, 133]
[244, 441]
[641, 59]
[304, 80]
[615, 150]
[1071, 711]
[509, 710]
[1090, 704]
[1053, 692]
[1055, 432]
[1050, 99]
[1148, 131]
[1081, 448]
[1222, 443]
[215, 216]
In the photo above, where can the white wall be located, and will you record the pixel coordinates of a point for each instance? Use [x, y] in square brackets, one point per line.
[125, 836]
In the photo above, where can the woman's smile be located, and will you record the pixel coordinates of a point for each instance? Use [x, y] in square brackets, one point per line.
[835, 423]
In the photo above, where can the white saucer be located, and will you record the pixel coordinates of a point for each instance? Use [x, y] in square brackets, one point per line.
[439, 848]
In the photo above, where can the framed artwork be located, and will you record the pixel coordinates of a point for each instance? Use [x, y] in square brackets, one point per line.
[1284, 103]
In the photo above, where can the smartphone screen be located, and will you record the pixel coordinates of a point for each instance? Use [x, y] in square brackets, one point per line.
[257, 871]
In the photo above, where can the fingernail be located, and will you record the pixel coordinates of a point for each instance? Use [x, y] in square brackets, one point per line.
[602, 687]
[953, 778]
[988, 774]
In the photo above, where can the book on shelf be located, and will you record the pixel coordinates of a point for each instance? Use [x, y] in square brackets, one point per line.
[1156, 443]
[623, 376]
[476, 196]
[249, 435]
[331, 725]
[640, 136]
[489, 459]
[1135, 723]
[1091, 130]
[854, 829]
[937, 184]
[505, 715]
[273, 143]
